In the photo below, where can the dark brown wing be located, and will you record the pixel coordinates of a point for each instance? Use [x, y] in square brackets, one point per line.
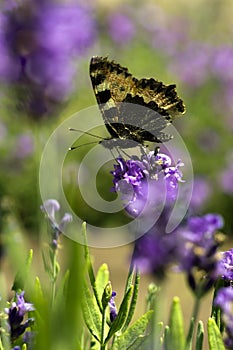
[115, 88]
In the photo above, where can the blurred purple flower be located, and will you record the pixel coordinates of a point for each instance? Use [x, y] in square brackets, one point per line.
[226, 179]
[200, 195]
[156, 250]
[29, 339]
[208, 140]
[224, 300]
[121, 28]
[192, 63]
[3, 132]
[205, 225]
[24, 146]
[16, 315]
[171, 39]
[39, 42]
[65, 29]
[222, 64]
[9, 66]
[199, 257]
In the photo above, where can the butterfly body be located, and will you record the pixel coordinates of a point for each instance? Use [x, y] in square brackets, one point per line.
[133, 110]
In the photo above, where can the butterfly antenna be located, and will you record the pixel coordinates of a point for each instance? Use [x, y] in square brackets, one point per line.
[85, 144]
[87, 133]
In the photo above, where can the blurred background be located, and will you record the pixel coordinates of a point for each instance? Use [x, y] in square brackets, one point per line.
[45, 49]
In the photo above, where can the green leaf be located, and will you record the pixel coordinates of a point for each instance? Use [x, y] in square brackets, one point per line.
[22, 273]
[107, 294]
[214, 336]
[38, 296]
[102, 278]
[133, 301]
[166, 339]
[91, 313]
[142, 342]
[200, 336]
[90, 267]
[188, 345]
[62, 289]
[122, 315]
[134, 336]
[151, 296]
[130, 277]
[176, 325]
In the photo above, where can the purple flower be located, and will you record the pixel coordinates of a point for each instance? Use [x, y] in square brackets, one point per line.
[9, 66]
[191, 64]
[24, 146]
[22, 306]
[146, 183]
[121, 28]
[173, 176]
[200, 194]
[49, 207]
[209, 140]
[204, 225]
[112, 307]
[171, 39]
[65, 28]
[227, 265]
[16, 315]
[39, 42]
[226, 179]
[29, 339]
[156, 251]
[222, 65]
[224, 300]
[199, 256]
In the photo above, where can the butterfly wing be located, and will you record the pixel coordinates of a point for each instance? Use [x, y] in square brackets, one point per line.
[115, 88]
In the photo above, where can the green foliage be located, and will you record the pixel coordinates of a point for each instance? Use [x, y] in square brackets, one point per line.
[214, 336]
[118, 334]
[174, 336]
[200, 336]
[23, 273]
[134, 337]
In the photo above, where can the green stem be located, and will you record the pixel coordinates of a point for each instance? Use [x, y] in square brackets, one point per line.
[102, 346]
[53, 281]
[196, 309]
[193, 322]
[1, 346]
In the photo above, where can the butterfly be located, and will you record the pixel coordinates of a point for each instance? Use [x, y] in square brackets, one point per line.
[133, 110]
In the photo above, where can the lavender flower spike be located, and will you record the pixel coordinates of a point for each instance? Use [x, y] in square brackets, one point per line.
[16, 315]
[112, 306]
[224, 300]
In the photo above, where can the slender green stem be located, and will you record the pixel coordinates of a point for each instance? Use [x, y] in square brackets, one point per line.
[102, 346]
[196, 309]
[1, 346]
[193, 321]
[53, 280]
